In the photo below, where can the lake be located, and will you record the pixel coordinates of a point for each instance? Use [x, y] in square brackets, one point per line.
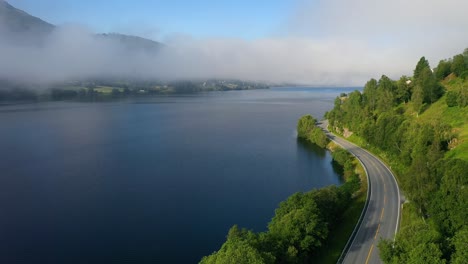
[154, 179]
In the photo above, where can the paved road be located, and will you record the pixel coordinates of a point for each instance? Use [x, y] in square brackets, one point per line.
[381, 219]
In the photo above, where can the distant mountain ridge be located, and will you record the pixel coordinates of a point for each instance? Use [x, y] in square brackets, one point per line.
[20, 26]
[133, 43]
[23, 28]
[18, 20]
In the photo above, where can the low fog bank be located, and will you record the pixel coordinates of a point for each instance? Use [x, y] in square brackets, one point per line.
[71, 53]
[329, 43]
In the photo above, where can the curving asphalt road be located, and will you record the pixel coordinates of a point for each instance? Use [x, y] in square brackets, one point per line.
[382, 216]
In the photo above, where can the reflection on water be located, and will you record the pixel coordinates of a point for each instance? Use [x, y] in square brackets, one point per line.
[139, 179]
[313, 148]
[337, 168]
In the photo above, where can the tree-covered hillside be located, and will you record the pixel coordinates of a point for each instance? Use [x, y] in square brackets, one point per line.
[419, 125]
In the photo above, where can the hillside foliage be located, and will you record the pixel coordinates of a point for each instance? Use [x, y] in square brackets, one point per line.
[307, 130]
[419, 125]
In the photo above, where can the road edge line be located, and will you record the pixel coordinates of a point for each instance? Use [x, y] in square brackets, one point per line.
[394, 180]
[364, 211]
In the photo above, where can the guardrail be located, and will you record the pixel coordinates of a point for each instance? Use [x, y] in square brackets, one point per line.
[364, 210]
[361, 218]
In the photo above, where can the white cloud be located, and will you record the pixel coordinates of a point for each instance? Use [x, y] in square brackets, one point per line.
[413, 28]
[326, 43]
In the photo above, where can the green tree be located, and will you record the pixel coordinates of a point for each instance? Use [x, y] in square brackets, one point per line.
[448, 207]
[370, 94]
[426, 253]
[297, 227]
[460, 243]
[463, 95]
[305, 125]
[239, 248]
[386, 83]
[330, 203]
[389, 254]
[451, 98]
[419, 183]
[416, 147]
[443, 69]
[422, 65]
[306, 129]
[384, 101]
[432, 89]
[417, 98]
[351, 108]
[385, 135]
[403, 90]
[425, 78]
[458, 64]
[341, 156]
[415, 243]
[335, 115]
[318, 137]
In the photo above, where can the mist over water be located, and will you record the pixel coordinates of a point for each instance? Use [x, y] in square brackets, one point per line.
[137, 180]
[329, 43]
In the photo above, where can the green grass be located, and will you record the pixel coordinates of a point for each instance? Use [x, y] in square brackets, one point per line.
[356, 140]
[409, 215]
[438, 112]
[456, 116]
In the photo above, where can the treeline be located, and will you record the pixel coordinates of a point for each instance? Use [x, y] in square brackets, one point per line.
[58, 94]
[307, 130]
[107, 89]
[301, 225]
[386, 115]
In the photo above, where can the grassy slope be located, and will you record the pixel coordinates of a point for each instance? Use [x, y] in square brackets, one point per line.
[438, 112]
[456, 117]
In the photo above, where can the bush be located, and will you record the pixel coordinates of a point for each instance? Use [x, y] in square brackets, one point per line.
[305, 125]
[318, 137]
[464, 75]
[307, 130]
[341, 156]
[451, 99]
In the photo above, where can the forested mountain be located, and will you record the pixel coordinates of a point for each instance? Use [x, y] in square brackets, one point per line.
[19, 27]
[419, 125]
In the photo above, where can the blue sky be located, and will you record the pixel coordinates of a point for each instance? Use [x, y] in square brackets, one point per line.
[159, 18]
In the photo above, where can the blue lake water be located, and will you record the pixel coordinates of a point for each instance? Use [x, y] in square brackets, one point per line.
[151, 180]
